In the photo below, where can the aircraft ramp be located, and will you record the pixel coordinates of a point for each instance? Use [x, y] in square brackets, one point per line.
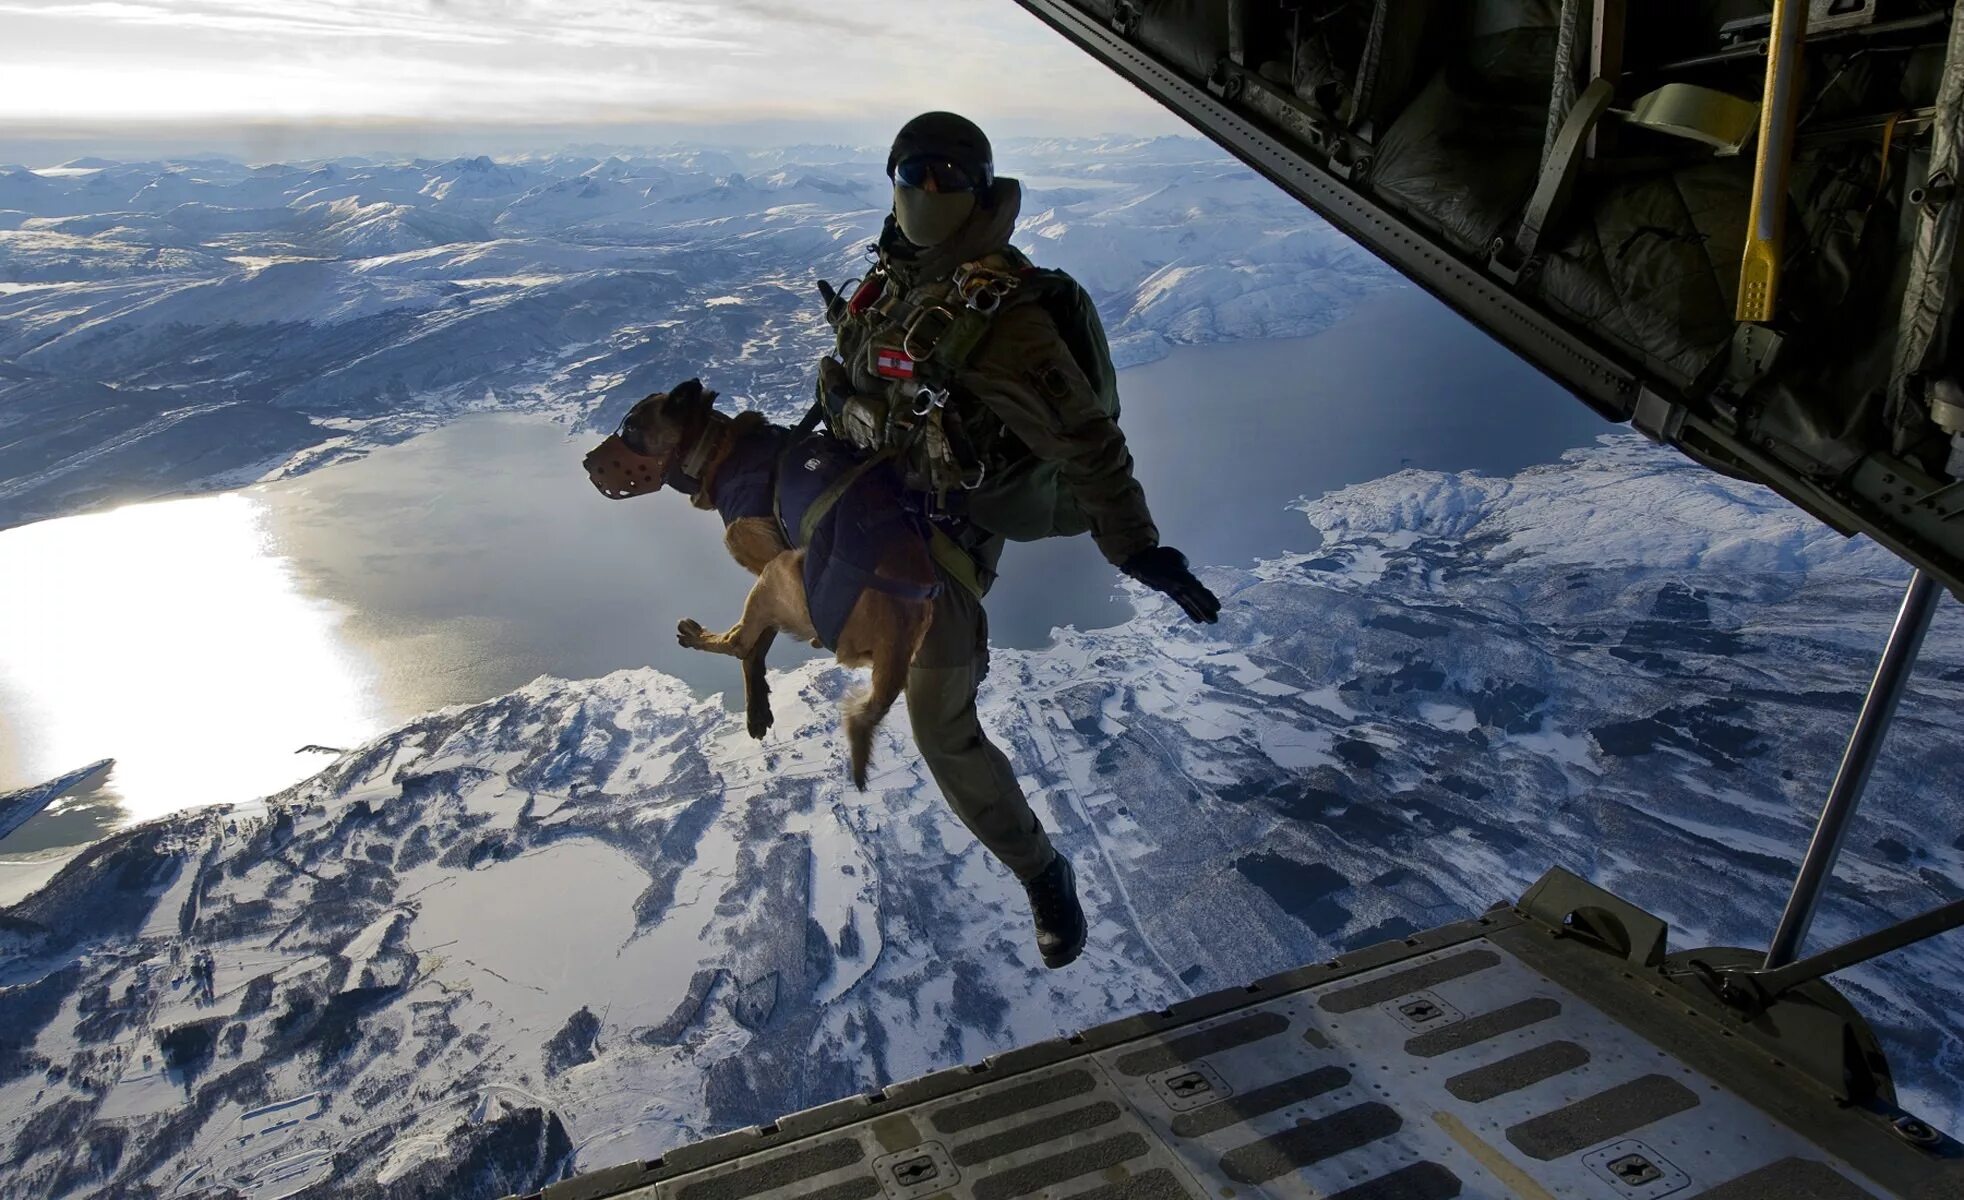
[1501, 1057]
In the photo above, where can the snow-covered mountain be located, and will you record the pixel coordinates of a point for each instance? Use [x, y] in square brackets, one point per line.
[170, 326]
[589, 920]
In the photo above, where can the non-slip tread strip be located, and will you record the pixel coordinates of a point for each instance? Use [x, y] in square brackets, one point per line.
[1488, 1025]
[1309, 1143]
[1187, 1047]
[1790, 1179]
[1419, 1181]
[1045, 1172]
[779, 1172]
[1411, 979]
[1036, 1133]
[1262, 1100]
[1517, 1071]
[1156, 1184]
[865, 1187]
[1013, 1101]
[1622, 1109]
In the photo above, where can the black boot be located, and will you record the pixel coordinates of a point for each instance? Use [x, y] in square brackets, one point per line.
[1060, 922]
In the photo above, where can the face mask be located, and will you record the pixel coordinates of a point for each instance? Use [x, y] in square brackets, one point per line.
[931, 218]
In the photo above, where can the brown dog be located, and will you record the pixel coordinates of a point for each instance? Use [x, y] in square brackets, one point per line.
[678, 438]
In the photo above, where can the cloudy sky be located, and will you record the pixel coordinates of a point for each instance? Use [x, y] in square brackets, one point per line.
[158, 65]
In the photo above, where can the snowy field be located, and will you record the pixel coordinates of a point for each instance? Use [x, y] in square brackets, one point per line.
[172, 326]
[590, 920]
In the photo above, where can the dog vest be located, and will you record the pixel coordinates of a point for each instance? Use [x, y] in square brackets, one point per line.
[796, 481]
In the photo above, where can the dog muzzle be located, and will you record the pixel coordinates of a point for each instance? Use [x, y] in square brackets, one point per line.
[618, 472]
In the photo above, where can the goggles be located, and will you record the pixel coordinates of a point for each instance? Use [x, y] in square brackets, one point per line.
[948, 176]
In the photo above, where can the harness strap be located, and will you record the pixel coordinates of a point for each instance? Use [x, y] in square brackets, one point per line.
[809, 421]
[805, 425]
[1561, 166]
[711, 436]
[823, 503]
[838, 487]
[954, 560]
[942, 323]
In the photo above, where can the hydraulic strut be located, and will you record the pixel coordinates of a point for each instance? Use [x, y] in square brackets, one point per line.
[1864, 744]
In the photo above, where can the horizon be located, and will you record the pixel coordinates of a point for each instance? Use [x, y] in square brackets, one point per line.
[45, 154]
[121, 78]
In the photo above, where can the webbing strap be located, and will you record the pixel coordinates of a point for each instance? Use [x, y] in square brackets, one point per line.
[711, 436]
[954, 560]
[810, 421]
[943, 323]
[823, 503]
[804, 426]
[951, 557]
[1558, 174]
[955, 346]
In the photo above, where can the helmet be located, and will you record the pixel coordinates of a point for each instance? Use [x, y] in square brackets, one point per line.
[951, 148]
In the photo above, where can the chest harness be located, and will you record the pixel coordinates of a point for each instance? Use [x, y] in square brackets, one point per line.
[904, 350]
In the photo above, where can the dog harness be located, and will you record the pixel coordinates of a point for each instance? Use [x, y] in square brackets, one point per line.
[839, 503]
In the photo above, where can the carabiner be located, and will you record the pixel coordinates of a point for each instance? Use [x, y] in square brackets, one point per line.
[927, 399]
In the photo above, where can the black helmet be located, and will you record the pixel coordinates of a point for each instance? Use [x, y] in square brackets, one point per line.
[952, 147]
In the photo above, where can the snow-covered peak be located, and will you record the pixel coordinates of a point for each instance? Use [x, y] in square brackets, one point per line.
[475, 179]
[1598, 506]
[565, 281]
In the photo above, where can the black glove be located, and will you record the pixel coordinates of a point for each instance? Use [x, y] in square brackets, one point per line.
[835, 304]
[1164, 569]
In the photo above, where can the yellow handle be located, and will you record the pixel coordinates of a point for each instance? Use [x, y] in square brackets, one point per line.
[1759, 278]
[1759, 270]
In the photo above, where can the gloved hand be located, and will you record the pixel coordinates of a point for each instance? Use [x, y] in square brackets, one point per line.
[835, 304]
[1164, 569]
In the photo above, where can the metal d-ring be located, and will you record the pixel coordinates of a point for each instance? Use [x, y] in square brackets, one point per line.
[920, 354]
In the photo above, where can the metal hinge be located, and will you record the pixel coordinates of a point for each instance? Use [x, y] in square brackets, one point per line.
[1656, 418]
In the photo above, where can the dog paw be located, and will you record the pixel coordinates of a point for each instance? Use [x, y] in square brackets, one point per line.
[760, 724]
[689, 633]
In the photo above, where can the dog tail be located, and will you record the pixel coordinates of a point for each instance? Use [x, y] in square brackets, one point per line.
[868, 706]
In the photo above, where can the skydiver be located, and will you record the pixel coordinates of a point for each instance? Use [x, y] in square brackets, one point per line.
[993, 384]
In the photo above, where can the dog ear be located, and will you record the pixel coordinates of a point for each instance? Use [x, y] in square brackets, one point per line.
[688, 401]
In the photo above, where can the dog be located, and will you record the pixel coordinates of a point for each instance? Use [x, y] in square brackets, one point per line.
[866, 557]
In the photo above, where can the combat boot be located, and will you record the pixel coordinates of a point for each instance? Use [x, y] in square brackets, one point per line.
[1059, 918]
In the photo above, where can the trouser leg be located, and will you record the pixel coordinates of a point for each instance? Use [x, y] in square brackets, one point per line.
[974, 775]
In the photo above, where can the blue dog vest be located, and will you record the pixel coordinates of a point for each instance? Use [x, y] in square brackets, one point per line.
[767, 474]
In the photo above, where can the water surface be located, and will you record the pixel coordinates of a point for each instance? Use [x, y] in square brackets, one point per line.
[1225, 437]
[203, 643]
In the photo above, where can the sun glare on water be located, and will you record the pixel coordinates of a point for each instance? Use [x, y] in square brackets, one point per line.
[173, 638]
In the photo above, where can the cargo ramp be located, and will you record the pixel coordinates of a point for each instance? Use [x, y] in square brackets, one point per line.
[1548, 1049]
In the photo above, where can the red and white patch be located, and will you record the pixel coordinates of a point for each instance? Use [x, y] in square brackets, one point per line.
[893, 364]
[867, 293]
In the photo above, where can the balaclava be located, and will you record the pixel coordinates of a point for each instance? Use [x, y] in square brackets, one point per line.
[956, 153]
